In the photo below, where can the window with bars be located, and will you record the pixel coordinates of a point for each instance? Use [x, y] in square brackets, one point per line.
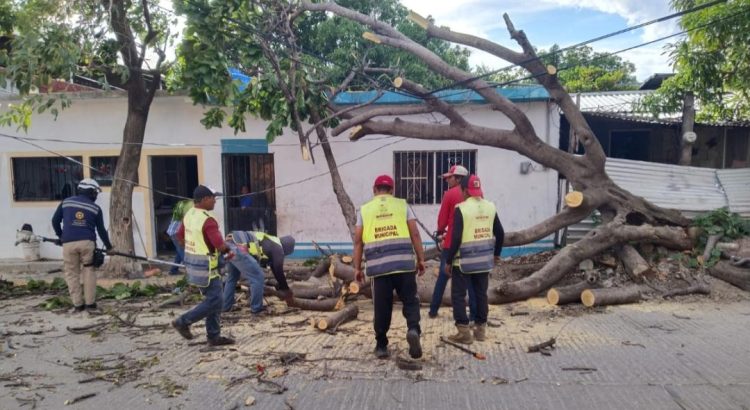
[418, 174]
[103, 169]
[45, 178]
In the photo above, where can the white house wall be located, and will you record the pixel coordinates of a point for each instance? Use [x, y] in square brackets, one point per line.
[308, 210]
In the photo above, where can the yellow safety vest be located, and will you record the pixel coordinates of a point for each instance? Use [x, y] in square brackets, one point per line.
[200, 264]
[477, 248]
[252, 240]
[388, 247]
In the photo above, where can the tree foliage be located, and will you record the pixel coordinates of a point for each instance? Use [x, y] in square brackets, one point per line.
[225, 35]
[712, 61]
[579, 70]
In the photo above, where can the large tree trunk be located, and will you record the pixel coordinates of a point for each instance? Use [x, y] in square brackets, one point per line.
[727, 272]
[688, 120]
[139, 102]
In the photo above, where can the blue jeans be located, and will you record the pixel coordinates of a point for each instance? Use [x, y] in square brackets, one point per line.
[440, 283]
[179, 257]
[246, 266]
[209, 308]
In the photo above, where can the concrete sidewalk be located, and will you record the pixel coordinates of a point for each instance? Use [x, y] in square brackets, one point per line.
[689, 353]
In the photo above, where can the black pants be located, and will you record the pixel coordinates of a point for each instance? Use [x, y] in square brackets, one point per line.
[405, 285]
[461, 282]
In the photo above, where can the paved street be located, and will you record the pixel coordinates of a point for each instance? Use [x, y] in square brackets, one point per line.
[683, 354]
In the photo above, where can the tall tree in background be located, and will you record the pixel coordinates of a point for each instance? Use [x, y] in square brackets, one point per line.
[298, 64]
[579, 70]
[54, 39]
[712, 62]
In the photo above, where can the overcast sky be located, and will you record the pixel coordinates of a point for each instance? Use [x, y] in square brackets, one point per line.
[564, 22]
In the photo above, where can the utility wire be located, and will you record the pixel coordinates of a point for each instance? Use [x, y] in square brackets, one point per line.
[294, 183]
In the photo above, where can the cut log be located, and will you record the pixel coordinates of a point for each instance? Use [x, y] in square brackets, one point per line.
[347, 259]
[304, 292]
[567, 294]
[710, 243]
[354, 288]
[298, 274]
[332, 322]
[321, 269]
[739, 277]
[611, 296]
[324, 305]
[698, 288]
[635, 265]
[574, 199]
[591, 277]
[341, 270]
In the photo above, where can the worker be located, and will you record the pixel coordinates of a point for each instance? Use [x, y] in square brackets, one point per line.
[452, 197]
[178, 212]
[253, 250]
[76, 222]
[386, 232]
[203, 244]
[477, 235]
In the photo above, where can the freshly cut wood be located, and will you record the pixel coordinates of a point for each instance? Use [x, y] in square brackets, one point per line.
[324, 305]
[567, 294]
[321, 269]
[698, 288]
[347, 259]
[331, 322]
[574, 199]
[340, 270]
[611, 296]
[634, 263]
[354, 288]
[737, 276]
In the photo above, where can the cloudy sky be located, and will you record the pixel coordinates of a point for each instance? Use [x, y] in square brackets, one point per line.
[564, 22]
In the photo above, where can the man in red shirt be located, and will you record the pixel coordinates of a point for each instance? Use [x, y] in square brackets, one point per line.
[200, 231]
[452, 197]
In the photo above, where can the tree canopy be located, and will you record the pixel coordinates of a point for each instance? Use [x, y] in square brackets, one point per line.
[579, 70]
[712, 61]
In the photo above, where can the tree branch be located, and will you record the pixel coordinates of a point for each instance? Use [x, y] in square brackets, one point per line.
[379, 112]
[566, 217]
[438, 104]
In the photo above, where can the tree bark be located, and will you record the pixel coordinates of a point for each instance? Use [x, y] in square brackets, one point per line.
[611, 296]
[688, 120]
[738, 277]
[139, 103]
[635, 265]
[698, 288]
[324, 305]
[332, 322]
[567, 294]
[304, 292]
[321, 269]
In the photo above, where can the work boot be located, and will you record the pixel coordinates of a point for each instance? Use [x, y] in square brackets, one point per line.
[381, 352]
[76, 309]
[220, 341]
[415, 348]
[183, 330]
[480, 332]
[463, 336]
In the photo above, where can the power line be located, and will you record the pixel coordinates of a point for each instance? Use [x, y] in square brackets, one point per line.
[583, 43]
[29, 141]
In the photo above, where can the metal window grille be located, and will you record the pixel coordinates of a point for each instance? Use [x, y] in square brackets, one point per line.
[418, 174]
[256, 171]
[104, 169]
[45, 178]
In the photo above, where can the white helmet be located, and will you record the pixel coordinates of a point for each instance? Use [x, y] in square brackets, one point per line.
[88, 183]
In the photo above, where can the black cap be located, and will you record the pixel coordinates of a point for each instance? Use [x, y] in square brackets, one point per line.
[202, 191]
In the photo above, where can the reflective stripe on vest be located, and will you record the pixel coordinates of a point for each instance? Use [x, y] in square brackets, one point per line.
[252, 240]
[200, 265]
[388, 247]
[477, 240]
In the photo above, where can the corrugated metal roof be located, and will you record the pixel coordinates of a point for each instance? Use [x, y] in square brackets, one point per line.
[691, 190]
[671, 186]
[611, 101]
[736, 184]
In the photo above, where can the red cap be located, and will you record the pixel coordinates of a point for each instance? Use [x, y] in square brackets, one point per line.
[474, 186]
[456, 170]
[384, 180]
